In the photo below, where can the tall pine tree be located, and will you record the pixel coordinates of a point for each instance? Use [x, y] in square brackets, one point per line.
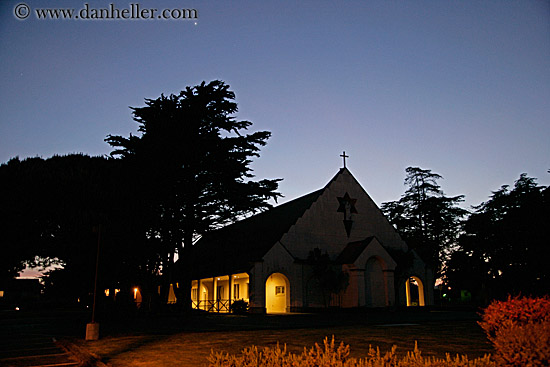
[428, 221]
[193, 162]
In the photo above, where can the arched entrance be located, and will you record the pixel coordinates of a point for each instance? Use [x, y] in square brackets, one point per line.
[376, 292]
[277, 293]
[414, 289]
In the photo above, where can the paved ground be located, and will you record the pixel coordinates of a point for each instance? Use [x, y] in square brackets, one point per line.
[27, 340]
[174, 340]
[193, 348]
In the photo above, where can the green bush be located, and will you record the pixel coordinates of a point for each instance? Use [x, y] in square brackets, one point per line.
[330, 355]
[519, 329]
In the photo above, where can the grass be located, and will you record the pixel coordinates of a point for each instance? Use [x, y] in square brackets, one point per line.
[172, 341]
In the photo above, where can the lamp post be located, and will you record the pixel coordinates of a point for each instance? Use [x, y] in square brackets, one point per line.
[92, 329]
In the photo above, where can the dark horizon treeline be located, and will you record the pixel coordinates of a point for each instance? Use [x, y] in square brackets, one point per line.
[499, 248]
[51, 211]
[505, 244]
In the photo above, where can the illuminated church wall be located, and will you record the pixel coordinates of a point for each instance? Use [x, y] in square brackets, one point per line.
[344, 222]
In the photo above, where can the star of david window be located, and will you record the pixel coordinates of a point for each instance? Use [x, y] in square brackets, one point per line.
[347, 206]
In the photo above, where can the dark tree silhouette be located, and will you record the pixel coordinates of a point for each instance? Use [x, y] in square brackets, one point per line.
[15, 230]
[192, 163]
[505, 247]
[331, 279]
[49, 209]
[428, 221]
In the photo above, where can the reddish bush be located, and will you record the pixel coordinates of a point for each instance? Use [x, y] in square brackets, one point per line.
[519, 329]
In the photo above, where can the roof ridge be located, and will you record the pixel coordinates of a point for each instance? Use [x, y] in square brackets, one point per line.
[251, 237]
[276, 209]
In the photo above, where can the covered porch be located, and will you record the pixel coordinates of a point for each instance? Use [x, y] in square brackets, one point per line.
[216, 294]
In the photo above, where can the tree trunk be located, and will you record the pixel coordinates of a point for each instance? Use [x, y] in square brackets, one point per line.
[184, 275]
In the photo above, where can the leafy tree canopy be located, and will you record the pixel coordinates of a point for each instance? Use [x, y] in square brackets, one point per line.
[428, 221]
[505, 247]
[49, 209]
[192, 161]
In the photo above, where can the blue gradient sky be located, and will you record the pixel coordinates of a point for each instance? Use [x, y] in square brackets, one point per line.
[459, 87]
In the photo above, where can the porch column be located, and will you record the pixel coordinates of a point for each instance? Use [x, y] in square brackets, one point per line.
[215, 292]
[408, 291]
[199, 294]
[421, 301]
[230, 291]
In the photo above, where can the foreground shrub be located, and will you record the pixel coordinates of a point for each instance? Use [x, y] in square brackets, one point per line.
[239, 307]
[519, 329]
[329, 355]
[519, 310]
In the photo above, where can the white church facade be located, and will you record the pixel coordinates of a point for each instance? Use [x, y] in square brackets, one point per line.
[263, 260]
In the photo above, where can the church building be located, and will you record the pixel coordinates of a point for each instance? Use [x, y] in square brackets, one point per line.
[266, 259]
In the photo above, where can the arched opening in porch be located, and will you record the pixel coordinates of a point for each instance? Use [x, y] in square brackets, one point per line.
[414, 290]
[277, 293]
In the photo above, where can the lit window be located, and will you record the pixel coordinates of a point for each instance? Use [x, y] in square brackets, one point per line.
[135, 293]
[1, 294]
[106, 293]
[279, 290]
[235, 291]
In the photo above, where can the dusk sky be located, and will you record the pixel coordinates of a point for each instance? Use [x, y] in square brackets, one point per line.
[458, 87]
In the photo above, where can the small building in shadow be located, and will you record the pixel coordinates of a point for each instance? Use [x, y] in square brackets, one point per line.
[19, 292]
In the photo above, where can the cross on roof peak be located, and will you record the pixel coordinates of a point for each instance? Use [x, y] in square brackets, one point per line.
[344, 156]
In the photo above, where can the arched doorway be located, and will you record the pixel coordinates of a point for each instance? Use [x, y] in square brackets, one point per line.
[414, 289]
[376, 292]
[277, 293]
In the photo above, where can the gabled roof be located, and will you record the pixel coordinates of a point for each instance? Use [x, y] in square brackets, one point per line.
[351, 252]
[235, 247]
